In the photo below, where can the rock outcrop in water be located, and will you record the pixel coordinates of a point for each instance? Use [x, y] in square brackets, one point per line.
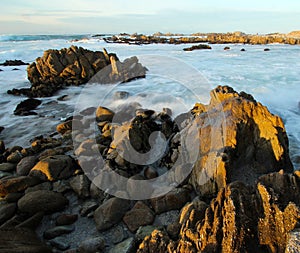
[198, 47]
[75, 66]
[241, 195]
[213, 38]
[13, 63]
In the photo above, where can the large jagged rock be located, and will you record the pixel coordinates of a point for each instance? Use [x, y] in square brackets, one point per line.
[240, 140]
[76, 66]
[240, 219]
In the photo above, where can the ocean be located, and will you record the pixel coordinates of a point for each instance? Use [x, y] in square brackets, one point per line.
[176, 79]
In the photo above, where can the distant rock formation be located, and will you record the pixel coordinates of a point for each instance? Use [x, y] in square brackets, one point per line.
[213, 38]
[75, 66]
[294, 34]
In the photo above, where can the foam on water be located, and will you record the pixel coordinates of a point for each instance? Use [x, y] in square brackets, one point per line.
[272, 77]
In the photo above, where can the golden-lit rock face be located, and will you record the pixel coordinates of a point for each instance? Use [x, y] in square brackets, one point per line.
[239, 140]
[240, 219]
[54, 168]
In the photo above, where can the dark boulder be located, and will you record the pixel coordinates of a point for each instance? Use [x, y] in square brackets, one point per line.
[25, 107]
[198, 47]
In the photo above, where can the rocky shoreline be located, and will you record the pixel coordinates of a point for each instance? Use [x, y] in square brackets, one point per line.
[241, 196]
[231, 186]
[292, 38]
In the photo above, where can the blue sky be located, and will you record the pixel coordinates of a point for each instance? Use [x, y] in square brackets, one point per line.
[148, 16]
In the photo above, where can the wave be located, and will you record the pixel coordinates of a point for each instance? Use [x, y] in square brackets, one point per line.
[15, 38]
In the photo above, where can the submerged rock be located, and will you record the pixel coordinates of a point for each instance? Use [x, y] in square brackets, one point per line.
[25, 107]
[13, 63]
[198, 47]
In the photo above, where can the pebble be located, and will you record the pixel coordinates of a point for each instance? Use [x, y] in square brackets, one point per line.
[88, 207]
[59, 244]
[58, 231]
[66, 219]
[92, 245]
[124, 247]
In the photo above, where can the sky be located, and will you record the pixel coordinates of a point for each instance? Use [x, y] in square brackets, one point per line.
[147, 16]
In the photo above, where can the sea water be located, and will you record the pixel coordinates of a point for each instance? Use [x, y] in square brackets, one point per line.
[176, 79]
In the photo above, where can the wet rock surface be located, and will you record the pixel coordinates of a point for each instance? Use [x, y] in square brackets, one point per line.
[75, 66]
[25, 107]
[198, 47]
[245, 141]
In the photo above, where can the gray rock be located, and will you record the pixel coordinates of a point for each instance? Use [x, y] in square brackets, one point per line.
[121, 94]
[58, 231]
[66, 219]
[43, 186]
[61, 186]
[13, 197]
[118, 234]
[6, 167]
[81, 185]
[4, 174]
[139, 215]
[59, 244]
[126, 246]
[88, 207]
[42, 201]
[33, 222]
[173, 200]
[25, 165]
[92, 245]
[110, 213]
[97, 193]
[7, 211]
[54, 168]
